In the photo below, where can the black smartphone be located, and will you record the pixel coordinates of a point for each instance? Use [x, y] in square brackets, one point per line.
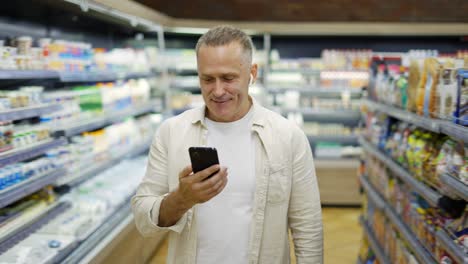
[202, 158]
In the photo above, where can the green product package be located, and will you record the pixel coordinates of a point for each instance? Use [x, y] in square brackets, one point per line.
[90, 98]
[402, 85]
[415, 146]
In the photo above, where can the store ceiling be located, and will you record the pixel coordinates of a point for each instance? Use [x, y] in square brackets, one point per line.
[315, 11]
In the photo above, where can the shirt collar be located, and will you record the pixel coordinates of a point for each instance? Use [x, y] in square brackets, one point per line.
[257, 120]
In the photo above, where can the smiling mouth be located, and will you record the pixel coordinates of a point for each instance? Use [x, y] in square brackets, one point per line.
[221, 101]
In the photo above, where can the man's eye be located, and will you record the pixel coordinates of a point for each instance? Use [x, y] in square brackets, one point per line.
[228, 78]
[208, 79]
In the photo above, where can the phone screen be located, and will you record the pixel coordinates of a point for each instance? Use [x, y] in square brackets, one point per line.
[202, 158]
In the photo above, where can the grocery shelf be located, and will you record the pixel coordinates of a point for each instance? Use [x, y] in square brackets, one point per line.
[341, 163]
[91, 171]
[344, 71]
[372, 193]
[92, 76]
[31, 151]
[302, 71]
[327, 116]
[344, 74]
[95, 76]
[138, 75]
[435, 125]
[342, 139]
[99, 122]
[420, 252]
[184, 72]
[108, 225]
[27, 187]
[138, 150]
[456, 186]
[28, 74]
[15, 236]
[191, 89]
[142, 108]
[100, 76]
[88, 172]
[28, 112]
[453, 249]
[426, 192]
[314, 91]
[374, 243]
[78, 128]
[455, 131]
[420, 121]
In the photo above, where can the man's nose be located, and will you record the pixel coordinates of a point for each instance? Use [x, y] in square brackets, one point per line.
[218, 88]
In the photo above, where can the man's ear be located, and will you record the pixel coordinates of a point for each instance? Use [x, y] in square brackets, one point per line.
[253, 74]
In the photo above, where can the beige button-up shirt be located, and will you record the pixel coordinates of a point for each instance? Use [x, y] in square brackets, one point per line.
[286, 194]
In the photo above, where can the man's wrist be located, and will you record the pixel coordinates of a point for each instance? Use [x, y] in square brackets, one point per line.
[182, 203]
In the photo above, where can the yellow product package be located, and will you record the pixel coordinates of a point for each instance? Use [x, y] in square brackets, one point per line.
[421, 152]
[427, 87]
[430, 161]
[413, 81]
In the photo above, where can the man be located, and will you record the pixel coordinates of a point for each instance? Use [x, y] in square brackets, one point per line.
[272, 184]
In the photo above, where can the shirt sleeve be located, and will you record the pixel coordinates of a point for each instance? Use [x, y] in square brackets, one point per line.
[152, 190]
[305, 214]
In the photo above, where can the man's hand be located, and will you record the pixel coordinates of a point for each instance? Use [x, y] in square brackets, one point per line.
[196, 188]
[193, 189]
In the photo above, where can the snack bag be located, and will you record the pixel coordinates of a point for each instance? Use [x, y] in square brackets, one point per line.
[421, 88]
[379, 83]
[443, 160]
[401, 158]
[410, 151]
[413, 81]
[429, 160]
[420, 154]
[463, 175]
[457, 160]
[393, 93]
[461, 112]
[402, 88]
[430, 87]
[393, 140]
[447, 94]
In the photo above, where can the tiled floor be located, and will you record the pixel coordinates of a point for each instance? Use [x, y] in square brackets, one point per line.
[342, 237]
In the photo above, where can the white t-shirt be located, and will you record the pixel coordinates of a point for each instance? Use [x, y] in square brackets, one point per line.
[224, 222]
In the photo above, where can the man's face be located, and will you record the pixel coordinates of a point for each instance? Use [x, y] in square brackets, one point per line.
[224, 73]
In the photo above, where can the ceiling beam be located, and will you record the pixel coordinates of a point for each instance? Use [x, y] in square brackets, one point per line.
[290, 28]
[336, 28]
[136, 9]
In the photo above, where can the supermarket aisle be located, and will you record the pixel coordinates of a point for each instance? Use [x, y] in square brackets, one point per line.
[342, 237]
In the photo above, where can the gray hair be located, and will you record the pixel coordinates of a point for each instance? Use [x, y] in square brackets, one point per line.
[223, 35]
